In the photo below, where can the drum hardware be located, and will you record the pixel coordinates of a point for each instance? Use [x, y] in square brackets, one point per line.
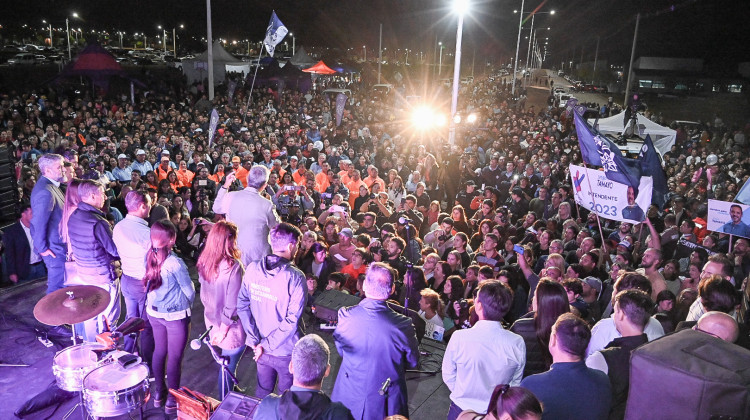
[71, 305]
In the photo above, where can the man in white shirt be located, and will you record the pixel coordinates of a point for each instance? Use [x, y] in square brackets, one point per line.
[479, 358]
[605, 330]
[132, 238]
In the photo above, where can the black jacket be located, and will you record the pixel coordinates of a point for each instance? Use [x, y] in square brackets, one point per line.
[617, 354]
[534, 357]
[17, 250]
[91, 237]
[301, 405]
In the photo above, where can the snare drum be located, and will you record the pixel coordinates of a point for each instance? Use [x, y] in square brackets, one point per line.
[71, 365]
[113, 390]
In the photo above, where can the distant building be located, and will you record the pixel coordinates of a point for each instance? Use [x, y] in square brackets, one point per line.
[684, 76]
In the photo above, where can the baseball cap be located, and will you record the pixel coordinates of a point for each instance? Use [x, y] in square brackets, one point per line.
[626, 244]
[711, 160]
[165, 158]
[347, 232]
[594, 283]
[122, 156]
[236, 159]
[140, 152]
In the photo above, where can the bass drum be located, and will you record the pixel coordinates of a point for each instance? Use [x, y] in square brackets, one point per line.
[113, 390]
[71, 365]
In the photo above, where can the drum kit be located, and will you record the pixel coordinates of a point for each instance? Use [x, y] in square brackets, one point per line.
[109, 381]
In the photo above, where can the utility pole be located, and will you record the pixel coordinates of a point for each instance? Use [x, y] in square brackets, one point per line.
[632, 58]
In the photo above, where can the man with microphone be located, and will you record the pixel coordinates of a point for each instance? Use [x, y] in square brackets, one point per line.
[377, 345]
[269, 304]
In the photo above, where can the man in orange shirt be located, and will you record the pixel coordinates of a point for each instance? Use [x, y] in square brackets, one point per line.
[163, 169]
[353, 187]
[299, 175]
[243, 170]
[323, 179]
[373, 178]
[184, 175]
[346, 168]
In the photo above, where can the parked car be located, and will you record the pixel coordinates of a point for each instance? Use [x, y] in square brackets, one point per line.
[23, 58]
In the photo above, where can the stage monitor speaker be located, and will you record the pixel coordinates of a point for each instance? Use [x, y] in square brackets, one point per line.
[689, 375]
[7, 184]
[236, 407]
[5, 155]
[7, 169]
[328, 303]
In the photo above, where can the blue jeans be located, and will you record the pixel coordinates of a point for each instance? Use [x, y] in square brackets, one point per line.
[135, 303]
[234, 356]
[170, 338]
[36, 271]
[271, 368]
[55, 272]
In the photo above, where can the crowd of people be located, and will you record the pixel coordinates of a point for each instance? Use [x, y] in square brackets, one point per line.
[483, 239]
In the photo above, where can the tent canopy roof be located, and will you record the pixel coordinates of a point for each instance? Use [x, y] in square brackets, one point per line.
[320, 68]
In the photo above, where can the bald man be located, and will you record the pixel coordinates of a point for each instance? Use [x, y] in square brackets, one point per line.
[719, 325]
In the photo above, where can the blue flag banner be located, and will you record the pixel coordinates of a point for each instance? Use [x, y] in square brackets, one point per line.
[212, 126]
[599, 151]
[744, 195]
[651, 166]
[340, 104]
[275, 32]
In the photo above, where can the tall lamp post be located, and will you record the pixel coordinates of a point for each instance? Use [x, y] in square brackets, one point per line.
[294, 42]
[440, 63]
[51, 44]
[460, 7]
[67, 31]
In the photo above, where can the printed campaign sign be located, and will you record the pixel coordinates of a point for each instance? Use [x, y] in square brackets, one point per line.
[609, 199]
[731, 218]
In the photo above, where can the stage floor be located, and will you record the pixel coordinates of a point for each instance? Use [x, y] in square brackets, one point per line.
[428, 396]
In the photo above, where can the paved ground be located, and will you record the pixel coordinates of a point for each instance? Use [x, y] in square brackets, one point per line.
[428, 396]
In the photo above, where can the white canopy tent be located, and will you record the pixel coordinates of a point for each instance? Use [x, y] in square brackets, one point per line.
[196, 69]
[663, 137]
[301, 59]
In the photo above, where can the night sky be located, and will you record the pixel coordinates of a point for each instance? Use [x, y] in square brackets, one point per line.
[715, 30]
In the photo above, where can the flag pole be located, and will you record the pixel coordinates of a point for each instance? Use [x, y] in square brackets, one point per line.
[593, 200]
[252, 85]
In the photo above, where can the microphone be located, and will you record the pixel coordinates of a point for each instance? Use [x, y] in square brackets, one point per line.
[196, 344]
[384, 388]
[404, 220]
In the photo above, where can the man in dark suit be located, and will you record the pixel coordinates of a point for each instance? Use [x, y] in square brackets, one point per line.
[377, 346]
[47, 203]
[22, 262]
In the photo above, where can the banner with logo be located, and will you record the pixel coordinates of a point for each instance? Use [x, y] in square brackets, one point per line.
[730, 218]
[609, 199]
[212, 126]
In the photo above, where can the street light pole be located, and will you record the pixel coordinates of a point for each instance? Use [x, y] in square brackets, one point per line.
[364, 48]
[461, 7]
[528, 51]
[51, 44]
[294, 44]
[518, 45]
[440, 63]
[67, 31]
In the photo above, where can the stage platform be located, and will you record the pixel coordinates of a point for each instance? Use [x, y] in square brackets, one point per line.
[428, 396]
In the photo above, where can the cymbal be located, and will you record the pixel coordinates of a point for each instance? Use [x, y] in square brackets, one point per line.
[71, 305]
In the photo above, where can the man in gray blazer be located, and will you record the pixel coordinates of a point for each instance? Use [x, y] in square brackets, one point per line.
[47, 203]
[253, 214]
[377, 345]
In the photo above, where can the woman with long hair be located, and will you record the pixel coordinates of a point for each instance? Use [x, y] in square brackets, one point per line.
[485, 227]
[437, 282]
[321, 264]
[168, 302]
[71, 204]
[174, 181]
[432, 216]
[508, 403]
[550, 301]
[414, 282]
[220, 274]
[151, 180]
[396, 191]
[460, 223]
